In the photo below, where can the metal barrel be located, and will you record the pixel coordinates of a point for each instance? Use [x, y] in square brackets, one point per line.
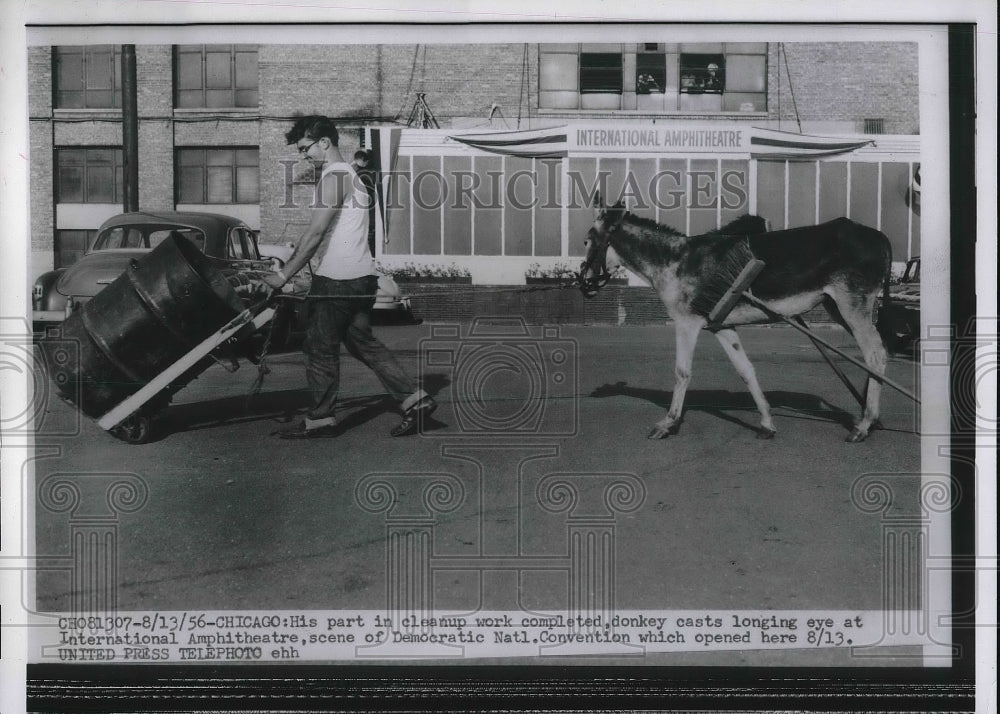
[161, 307]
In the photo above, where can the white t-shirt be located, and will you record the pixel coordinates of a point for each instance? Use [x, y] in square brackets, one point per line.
[343, 253]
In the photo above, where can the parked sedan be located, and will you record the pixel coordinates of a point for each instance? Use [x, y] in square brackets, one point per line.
[228, 242]
[899, 320]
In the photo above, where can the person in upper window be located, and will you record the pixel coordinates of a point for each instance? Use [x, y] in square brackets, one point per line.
[712, 78]
[646, 83]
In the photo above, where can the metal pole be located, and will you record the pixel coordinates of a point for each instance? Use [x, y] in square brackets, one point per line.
[130, 131]
[816, 338]
[837, 370]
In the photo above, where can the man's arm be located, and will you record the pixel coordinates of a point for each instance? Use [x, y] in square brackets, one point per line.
[332, 196]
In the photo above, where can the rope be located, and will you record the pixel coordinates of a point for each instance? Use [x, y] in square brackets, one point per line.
[791, 89]
[521, 92]
[263, 369]
[526, 289]
[409, 84]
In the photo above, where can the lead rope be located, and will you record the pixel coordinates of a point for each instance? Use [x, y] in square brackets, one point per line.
[263, 369]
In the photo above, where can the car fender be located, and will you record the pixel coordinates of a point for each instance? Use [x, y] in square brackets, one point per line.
[44, 295]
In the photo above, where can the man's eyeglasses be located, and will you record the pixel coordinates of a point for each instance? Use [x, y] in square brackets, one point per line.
[303, 150]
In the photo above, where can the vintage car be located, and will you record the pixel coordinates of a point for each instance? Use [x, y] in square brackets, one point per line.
[228, 242]
[899, 320]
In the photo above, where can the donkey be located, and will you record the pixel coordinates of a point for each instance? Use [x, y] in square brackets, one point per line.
[843, 264]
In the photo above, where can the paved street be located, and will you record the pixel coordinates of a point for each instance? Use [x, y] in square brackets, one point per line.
[238, 519]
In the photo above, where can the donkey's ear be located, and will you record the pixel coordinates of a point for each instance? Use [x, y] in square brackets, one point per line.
[598, 203]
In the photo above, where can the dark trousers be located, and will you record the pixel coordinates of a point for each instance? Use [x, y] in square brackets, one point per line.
[346, 320]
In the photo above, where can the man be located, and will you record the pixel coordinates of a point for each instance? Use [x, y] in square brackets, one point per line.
[713, 81]
[343, 288]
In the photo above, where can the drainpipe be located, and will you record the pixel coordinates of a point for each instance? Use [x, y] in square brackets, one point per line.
[130, 131]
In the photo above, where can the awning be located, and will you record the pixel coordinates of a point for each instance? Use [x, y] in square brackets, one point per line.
[771, 144]
[555, 142]
[531, 144]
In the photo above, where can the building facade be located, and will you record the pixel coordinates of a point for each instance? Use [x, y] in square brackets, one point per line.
[212, 120]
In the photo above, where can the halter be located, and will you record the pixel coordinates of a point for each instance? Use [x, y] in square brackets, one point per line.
[590, 286]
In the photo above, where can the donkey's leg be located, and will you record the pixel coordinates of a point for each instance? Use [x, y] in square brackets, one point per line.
[857, 312]
[730, 342]
[686, 331]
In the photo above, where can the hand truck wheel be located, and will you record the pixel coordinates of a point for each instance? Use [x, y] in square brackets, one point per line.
[134, 429]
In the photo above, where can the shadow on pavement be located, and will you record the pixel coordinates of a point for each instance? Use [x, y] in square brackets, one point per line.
[281, 407]
[716, 401]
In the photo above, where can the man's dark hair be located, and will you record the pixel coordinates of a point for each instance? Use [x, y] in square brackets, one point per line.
[314, 127]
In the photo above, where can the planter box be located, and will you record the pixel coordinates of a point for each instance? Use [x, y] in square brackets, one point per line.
[433, 280]
[547, 281]
[563, 281]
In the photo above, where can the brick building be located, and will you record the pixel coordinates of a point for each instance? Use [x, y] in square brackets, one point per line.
[212, 120]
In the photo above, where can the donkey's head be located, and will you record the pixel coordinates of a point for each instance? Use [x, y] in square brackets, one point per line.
[594, 273]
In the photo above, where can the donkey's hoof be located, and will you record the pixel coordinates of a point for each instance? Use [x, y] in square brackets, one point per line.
[764, 433]
[662, 432]
[856, 436]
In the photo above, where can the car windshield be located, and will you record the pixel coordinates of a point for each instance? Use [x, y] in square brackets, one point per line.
[145, 237]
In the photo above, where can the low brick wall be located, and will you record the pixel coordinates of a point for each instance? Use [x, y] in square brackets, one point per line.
[613, 305]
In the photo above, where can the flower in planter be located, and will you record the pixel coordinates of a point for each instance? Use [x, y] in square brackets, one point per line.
[562, 271]
[559, 271]
[434, 271]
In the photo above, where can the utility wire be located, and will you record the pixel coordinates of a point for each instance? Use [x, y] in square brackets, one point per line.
[791, 89]
[521, 91]
[409, 84]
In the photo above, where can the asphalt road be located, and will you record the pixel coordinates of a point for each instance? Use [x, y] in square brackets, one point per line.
[235, 518]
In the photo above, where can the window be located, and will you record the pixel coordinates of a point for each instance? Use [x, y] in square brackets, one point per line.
[600, 72]
[703, 74]
[145, 236]
[121, 237]
[87, 77]
[874, 126]
[89, 175]
[654, 77]
[650, 73]
[237, 245]
[71, 246]
[192, 234]
[215, 76]
[218, 175]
